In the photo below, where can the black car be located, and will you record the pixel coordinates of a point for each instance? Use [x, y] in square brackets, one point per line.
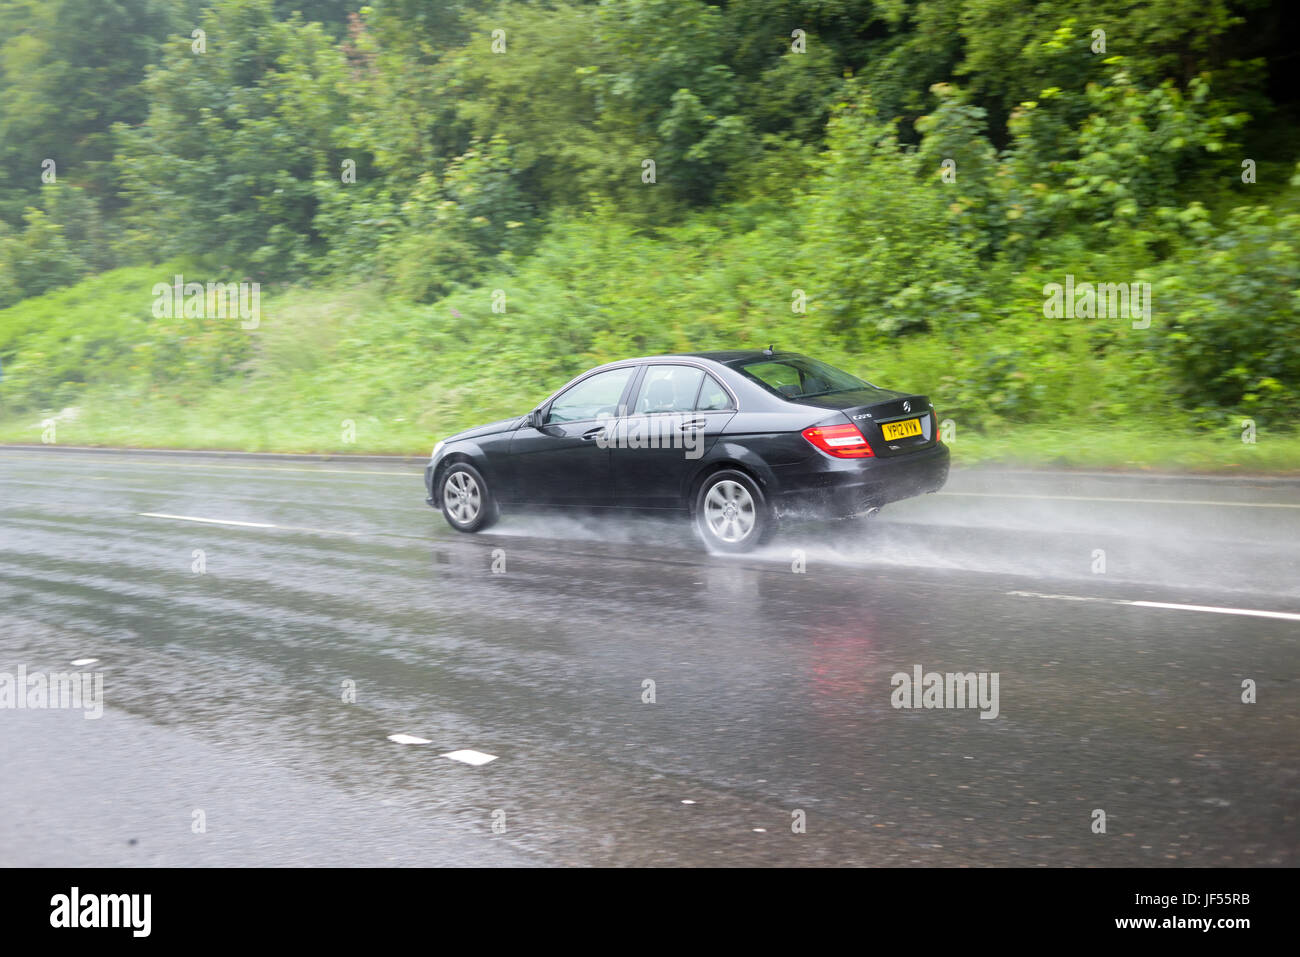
[737, 440]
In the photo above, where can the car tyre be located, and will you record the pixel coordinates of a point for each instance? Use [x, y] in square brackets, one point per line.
[731, 513]
[467, 503]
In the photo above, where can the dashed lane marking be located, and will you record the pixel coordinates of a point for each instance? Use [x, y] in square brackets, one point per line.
[1169, 606]
[1125, 501]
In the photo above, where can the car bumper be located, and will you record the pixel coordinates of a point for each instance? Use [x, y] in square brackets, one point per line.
[827, 487]
[428, 486]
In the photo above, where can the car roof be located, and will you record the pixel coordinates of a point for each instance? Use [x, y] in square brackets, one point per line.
[725, 357]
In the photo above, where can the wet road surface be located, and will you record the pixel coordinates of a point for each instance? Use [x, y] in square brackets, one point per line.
[252, 674]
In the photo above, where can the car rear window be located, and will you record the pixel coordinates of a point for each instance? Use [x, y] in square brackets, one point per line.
[798, 377]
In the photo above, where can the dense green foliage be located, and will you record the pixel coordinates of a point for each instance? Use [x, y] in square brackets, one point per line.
[429, 202]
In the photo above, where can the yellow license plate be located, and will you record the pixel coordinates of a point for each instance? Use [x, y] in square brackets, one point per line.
[900, 430]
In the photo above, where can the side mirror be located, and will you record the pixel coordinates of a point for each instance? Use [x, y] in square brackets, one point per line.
[535, 418]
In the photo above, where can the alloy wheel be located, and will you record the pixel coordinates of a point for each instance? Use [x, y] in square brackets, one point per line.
[463, 496]
[729, 511]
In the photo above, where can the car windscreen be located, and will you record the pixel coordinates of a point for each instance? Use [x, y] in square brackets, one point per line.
[798, 377]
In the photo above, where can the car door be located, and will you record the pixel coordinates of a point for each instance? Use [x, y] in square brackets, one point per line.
[564, 460]
[677, 413]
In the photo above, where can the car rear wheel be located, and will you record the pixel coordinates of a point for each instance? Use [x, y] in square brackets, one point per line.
[466, 502]
[731, 514]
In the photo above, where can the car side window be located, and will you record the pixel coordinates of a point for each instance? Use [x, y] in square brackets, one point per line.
[713, 397]
[592, 397]
[667, 388]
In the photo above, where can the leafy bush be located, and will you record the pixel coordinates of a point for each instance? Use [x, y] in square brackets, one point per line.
[1233, 307]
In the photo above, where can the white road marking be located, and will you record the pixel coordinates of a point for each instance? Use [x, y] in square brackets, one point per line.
[283, 528]
[1215, 609]
[208, 465]
[1035, 594]
[1127, 501]
[1171, 606]
[82, 662]
[475, 758]
[407, 739]
[208, 521]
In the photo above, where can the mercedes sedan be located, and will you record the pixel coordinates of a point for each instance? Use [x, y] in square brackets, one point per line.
[738, 441]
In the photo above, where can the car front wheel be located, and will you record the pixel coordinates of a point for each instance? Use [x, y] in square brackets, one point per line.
[731, 513]
[466, 502]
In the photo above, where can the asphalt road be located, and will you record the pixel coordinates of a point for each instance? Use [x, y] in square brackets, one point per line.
[226, 738]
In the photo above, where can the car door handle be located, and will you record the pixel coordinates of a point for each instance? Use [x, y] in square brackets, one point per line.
[693, 424]
[593, 433]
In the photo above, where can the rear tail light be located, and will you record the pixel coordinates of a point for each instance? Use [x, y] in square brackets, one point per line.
[842, 441]
[934, 426]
